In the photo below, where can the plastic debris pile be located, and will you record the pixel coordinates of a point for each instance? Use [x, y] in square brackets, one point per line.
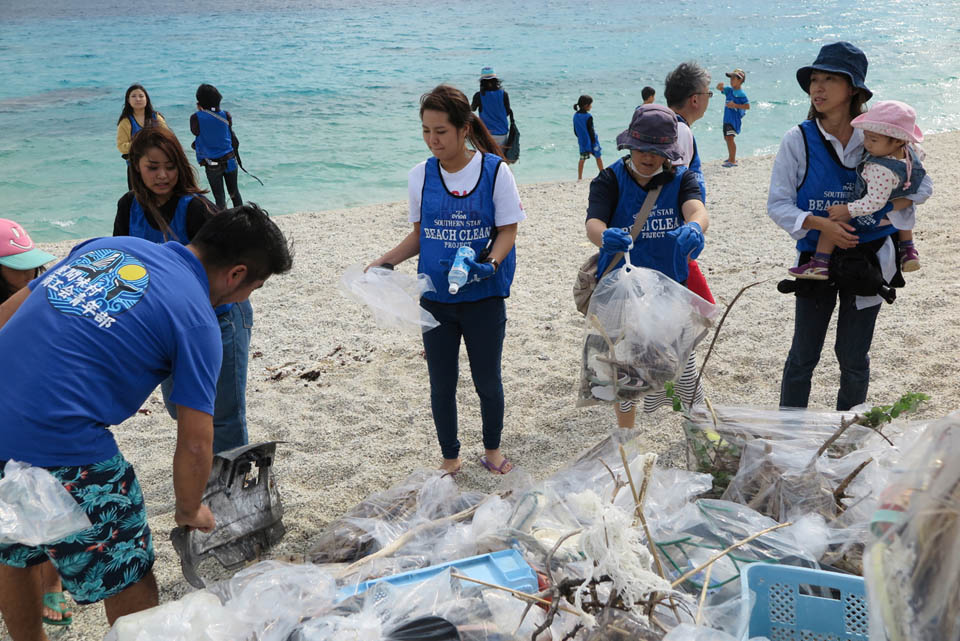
[611, 546]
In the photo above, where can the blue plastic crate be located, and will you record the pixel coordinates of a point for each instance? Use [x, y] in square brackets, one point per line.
[800, 604]
[506, 568]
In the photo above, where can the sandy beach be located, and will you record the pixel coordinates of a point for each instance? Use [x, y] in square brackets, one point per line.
[364, 423]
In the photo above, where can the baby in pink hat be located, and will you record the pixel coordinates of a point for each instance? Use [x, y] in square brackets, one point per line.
[891, 168]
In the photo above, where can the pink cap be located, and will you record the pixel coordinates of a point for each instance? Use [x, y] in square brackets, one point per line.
[17, 250]
[891, 118]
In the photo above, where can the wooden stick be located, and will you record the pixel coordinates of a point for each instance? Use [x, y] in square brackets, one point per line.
[647, 475]
[638, 501]
[719, 325]
[716, 557]
[638, 515]
[595, 320]
[703, 595]
[406, 536]
[516, 593]
[844, 425]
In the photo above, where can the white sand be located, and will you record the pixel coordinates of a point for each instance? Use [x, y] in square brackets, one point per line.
[365, 423]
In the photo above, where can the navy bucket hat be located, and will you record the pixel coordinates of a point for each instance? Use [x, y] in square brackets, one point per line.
[841, 58]
[653, 129]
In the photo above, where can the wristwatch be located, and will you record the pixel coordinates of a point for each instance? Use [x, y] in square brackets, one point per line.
[495, 263]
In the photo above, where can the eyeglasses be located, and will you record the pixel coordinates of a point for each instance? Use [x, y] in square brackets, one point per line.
[708, 94]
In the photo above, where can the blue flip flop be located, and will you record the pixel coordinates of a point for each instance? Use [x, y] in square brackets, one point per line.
[57, 602]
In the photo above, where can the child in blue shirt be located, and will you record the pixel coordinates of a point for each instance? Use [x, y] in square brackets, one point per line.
[735, 103]
[586, 136]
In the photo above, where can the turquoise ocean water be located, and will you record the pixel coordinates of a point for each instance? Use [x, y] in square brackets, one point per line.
[324, 94]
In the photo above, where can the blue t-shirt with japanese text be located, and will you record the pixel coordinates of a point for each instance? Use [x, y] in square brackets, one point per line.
[95, 336]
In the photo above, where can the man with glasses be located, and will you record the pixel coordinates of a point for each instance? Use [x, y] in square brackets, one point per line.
[687, 91]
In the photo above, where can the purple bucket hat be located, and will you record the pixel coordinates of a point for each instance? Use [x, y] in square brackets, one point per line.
[652, 129]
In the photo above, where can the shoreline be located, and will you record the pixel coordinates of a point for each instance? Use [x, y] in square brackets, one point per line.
[364, 423]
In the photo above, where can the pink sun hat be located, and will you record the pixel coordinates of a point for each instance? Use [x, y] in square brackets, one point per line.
[891, 118]
[17, 250]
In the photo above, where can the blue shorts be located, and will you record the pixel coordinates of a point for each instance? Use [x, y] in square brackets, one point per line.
[110, 556]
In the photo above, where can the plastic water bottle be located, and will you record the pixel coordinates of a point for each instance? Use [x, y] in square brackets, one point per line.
[458, 272]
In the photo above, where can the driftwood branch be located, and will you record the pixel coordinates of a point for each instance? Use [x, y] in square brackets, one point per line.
[838, 493]
[517, 593]
[617, 483]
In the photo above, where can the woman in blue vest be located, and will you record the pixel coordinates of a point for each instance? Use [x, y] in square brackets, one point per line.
[462, 197]
[137, 113]
[215, 144]
[493, 105]
[814, 169]
[166, 204]
[671, 235]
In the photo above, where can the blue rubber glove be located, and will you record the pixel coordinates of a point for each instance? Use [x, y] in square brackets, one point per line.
[689, 239]
[479, 271]
[615, 241]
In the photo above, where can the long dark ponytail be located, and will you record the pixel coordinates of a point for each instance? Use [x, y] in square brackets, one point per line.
[452, 102]
[583, 102]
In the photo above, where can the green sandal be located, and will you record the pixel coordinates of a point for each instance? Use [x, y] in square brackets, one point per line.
[57, 602]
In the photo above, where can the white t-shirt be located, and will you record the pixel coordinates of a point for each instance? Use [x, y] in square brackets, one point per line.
[506, 199]
[685, 141]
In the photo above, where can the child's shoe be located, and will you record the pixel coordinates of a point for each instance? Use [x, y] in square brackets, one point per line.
[909, 259]
[811, 270]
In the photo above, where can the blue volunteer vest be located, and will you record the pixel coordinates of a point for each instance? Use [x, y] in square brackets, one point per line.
[214, 140]
[493, 112]
[652, 248]
[135, 126]
[448, 222]
[140, 227]
[580, 120]
[827, 182]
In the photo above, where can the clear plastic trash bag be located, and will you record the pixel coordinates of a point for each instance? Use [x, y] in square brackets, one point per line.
[198, 615]
[912, 565]
[641, 328]
[35, 508]
[392, 297]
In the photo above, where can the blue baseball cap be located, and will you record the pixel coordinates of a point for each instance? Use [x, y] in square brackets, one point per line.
[841, 58]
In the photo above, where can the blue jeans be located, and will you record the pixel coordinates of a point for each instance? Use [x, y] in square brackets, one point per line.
[230, 408]
[852, 347]
[482, 324]
[219, 175]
